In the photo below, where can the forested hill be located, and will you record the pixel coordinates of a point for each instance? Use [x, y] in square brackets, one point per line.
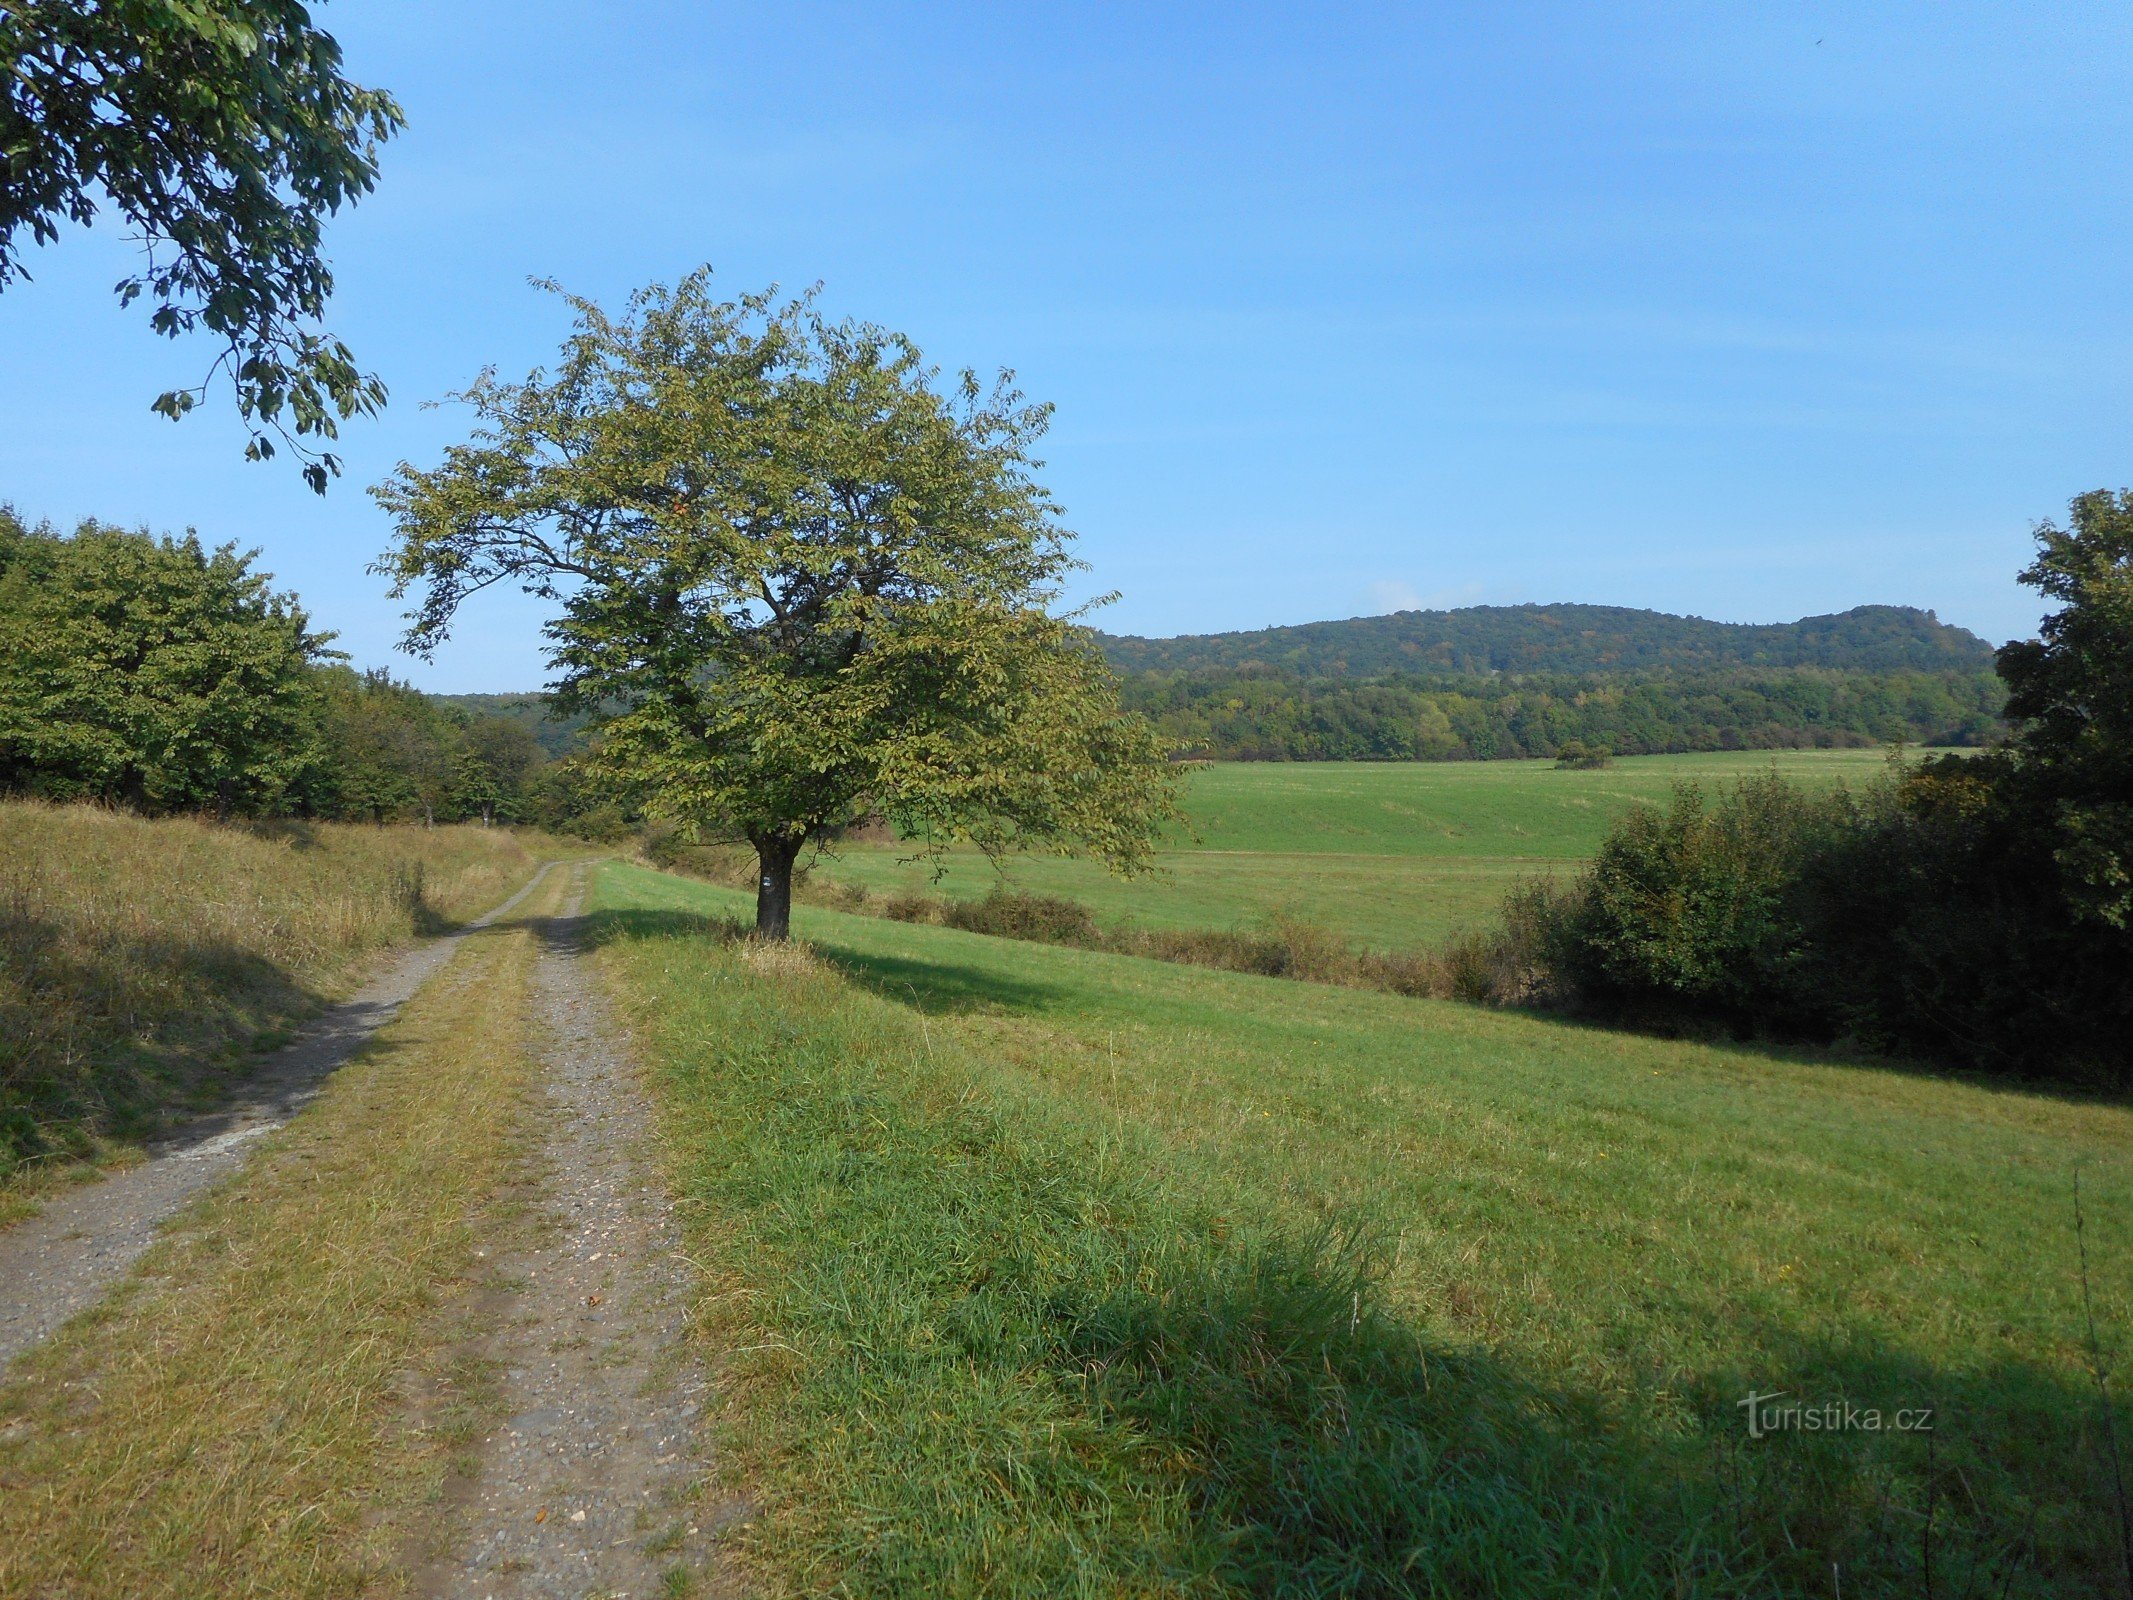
[557, 735]
[1556, 639]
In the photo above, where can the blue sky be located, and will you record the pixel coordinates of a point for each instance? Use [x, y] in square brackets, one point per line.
[1747, 311]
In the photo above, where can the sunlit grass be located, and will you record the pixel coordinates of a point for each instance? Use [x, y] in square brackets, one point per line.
[138, 958]
[1040, 1255]
[267, 1409]
[1396, 855]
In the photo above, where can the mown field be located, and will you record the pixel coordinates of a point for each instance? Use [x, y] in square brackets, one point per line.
[1046, 1271]
[1399, 854]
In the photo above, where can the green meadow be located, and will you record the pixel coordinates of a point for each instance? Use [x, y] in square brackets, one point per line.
[1398, 854]
[1063, 1273]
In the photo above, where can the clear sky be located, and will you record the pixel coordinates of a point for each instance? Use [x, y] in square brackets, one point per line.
[1746, 311]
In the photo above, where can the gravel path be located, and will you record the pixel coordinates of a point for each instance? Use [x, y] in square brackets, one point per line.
[62, 1260]
[586, 1487]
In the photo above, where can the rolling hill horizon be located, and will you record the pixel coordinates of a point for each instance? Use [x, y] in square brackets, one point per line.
[1565, 638]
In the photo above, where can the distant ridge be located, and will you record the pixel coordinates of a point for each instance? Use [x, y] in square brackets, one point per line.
[1587, 640]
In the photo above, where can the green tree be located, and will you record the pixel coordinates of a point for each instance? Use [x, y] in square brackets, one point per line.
[223, 132]
[2070, 695]
[498, 765]
[394, 753]
[816, 586]
[151, 672]
[1698, 906]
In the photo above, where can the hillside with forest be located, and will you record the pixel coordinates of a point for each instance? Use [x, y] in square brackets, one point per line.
[1493, 682]
[1257, 714]
[1574, 639]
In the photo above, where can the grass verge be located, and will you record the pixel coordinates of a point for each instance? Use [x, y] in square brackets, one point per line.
[1053, 1272]
[235, 1421]
[140, 960]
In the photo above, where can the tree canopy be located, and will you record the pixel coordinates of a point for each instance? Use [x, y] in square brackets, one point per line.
[800, 582]
[224, 132]
[1974, 909]
[153, 672]
[2070, 692]
[163, 676]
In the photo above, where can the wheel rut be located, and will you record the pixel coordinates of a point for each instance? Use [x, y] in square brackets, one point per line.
[589, 1482]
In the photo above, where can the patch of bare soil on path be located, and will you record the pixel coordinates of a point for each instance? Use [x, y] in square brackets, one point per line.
[588, 1485]
[62, 1260]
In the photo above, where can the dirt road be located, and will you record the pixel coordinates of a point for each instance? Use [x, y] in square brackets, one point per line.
[546, 1301]
[585, 1486]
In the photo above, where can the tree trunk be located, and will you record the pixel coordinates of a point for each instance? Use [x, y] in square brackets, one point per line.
[773, 887]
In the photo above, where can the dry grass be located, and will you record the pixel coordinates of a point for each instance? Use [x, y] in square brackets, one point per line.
[140, 958]
[237, 1421]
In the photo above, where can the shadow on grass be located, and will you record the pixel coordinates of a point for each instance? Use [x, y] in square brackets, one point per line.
[1323, 1443]
[1335, 1453]
[940, 988]
[109, 1037]
[1914, 1477]
[130, 1035]
[935, 987]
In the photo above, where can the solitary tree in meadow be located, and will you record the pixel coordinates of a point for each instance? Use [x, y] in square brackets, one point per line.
[801, 582]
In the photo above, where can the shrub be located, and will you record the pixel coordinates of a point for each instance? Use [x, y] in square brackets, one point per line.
[1948, 926]
[912, 908]
[1009, 914]
[1698, 909]
[1575, 755]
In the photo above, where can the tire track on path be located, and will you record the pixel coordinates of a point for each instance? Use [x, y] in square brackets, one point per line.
[62, 1261]
[587, 1486]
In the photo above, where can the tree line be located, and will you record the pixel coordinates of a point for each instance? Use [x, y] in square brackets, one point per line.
[165, 676]
[1265, 714]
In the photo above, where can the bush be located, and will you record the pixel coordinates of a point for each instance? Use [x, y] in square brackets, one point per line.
[1929, 917]
[1952, 925]
[1008, 914]
[1699, 909]
[1574, 755]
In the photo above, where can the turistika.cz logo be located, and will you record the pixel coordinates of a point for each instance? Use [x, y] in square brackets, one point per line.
[1766, 1416]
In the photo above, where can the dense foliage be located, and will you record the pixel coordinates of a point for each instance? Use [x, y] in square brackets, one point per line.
[1975, 910]
[1568, 639]
[223, 133]
[162, 676]
[800, 583]
[1259, 714]
[151, 672]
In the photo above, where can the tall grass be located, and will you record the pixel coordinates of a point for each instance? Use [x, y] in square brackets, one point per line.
[273, 1410]
[137, 956]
